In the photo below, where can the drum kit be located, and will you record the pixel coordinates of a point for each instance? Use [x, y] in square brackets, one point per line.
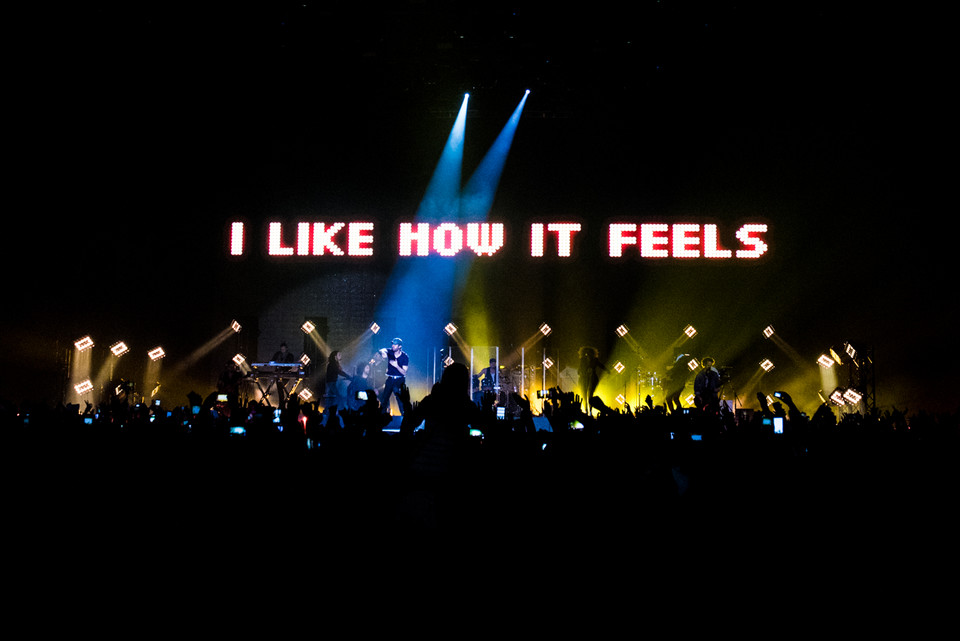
[520, 381]
[502, 388]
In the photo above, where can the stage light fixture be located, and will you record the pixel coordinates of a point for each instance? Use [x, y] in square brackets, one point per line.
[547, 363]
[619, 367]
[852, 396]
[825, 361]
[84, 344]
[305, 394]
[850, 350]
[621, 399]
[689, 400]
[690, 331]
[768, 331]
[305, 360]
[119, 348]
[448, 361]
[239, 359]
[622, 331]
[835, 357]
[235, 326]
[83, 387]
[374, 328]
[766, 364]
[837, 397]
[545, 329]
[156, 353]
[308, 327]
[450, 329]
[693, 365]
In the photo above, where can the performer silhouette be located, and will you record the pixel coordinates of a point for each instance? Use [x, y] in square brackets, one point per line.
[587, 371]
[397, 363]
[706, 387]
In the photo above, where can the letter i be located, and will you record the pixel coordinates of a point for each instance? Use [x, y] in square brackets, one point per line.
[236, 239]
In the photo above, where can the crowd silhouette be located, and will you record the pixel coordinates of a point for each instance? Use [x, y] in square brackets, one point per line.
[455, 465]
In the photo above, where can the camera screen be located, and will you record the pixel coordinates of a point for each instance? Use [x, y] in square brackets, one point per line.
[778, 425]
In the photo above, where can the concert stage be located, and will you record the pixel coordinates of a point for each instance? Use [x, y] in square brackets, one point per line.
[663, 190]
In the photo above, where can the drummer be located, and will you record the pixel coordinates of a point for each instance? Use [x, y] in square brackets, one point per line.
[489, 377]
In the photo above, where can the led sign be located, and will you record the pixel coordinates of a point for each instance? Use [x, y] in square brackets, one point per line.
[684, 241]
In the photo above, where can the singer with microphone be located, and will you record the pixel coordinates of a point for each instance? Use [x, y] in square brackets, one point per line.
[397, 364]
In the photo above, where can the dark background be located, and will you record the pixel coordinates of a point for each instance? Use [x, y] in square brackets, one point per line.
[139, 132]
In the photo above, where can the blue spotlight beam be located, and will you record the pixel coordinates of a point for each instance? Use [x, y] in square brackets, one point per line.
[442, 198]
[419, 292]
[478, 195]
[482, 187]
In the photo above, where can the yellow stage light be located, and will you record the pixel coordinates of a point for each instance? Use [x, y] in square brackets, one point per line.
[852, 396]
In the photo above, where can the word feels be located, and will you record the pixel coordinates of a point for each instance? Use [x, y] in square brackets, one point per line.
[684, 240]
[624, 239]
